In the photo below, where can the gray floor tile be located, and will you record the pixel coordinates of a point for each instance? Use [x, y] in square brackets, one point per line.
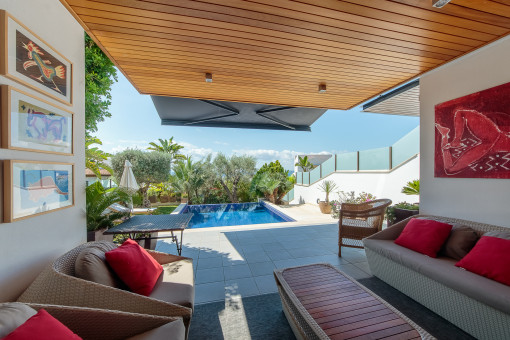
[212, 262]
[266, 284]
[242, 286]
[237, 272]
[256, 257]
[262, 268]
[209, 292]
[208, 253]
[209, 275]
[363, 266]
[233, 261]
[308, 252]
[353, 271]
[286, 263]
[279, 255]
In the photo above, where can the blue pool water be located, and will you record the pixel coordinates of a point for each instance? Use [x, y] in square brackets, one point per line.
[217, 215]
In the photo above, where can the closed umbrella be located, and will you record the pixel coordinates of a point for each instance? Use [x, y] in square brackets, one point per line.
[128, 181]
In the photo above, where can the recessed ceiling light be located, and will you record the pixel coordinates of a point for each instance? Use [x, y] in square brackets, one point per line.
[439, 3]
[322, 88]
[208, 77]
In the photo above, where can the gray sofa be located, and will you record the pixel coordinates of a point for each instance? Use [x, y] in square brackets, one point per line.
[476, 304]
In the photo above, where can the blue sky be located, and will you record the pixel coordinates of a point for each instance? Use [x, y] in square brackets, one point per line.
[135, 123]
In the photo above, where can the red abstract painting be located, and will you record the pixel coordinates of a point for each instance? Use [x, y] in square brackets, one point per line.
[473, 135]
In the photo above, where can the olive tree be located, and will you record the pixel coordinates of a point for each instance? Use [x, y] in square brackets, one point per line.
[230, 172]
[148, 168]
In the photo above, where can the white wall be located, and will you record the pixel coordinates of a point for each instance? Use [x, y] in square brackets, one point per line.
[381, 184]
[482, 200]
[27, 246]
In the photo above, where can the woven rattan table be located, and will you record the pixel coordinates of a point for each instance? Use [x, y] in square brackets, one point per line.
[142, 224]
[321, 302]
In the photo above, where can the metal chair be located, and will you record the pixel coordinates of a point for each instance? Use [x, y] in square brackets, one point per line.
[358, 221]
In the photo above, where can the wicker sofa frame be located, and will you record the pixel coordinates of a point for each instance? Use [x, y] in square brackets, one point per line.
[358, 221]
[57, 285]
[478, 319]
[93, 323]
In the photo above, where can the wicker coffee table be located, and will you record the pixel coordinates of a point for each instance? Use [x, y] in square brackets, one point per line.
[321, 302]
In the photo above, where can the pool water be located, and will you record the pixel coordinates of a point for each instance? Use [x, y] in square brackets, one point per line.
[219, 215]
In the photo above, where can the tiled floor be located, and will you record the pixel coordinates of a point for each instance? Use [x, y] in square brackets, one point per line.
[233, 262]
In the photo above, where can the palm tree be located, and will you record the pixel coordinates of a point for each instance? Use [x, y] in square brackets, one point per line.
[304, 164]
[167, 146]
[328, 187]
[189, 177]
[98, 200]
[95, 159]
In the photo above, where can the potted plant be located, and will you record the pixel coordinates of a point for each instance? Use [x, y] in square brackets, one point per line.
[400, 212]
[327, 187]
[98, 217]
[412, 188]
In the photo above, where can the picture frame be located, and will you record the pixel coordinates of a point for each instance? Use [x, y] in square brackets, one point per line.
[33, 188]
[29, 60]
[33, 124]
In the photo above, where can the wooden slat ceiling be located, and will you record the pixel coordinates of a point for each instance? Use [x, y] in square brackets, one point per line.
[278, 51]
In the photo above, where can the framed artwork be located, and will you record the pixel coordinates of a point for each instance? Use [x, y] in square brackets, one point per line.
[32, 188]
[27, 59]
[30, 123]
[473, 135]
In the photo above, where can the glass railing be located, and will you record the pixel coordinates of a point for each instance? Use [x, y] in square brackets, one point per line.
[347, 161]
[315, 174]
[406, 147]
[289, 196]
[374, 159]
[328, 167]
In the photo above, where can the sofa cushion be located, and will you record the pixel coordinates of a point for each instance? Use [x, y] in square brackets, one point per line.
[174, 330]
[176, 285]
[42, 326]
[13, 315]
[424, 236]
[490, 257]
[91, 265]
[135, 267]
[443, 270]
[461, 240]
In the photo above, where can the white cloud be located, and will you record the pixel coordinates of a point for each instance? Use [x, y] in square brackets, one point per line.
[220, 143]
[195, 151]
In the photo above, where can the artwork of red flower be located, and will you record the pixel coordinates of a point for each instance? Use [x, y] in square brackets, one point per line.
[473, 135]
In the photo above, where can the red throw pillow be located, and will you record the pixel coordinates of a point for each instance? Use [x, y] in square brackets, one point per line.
[135, 267]
[424, 236]
[42, 326]
[490, 257]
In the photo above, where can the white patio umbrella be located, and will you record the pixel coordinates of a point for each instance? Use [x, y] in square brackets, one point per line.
[128, 181]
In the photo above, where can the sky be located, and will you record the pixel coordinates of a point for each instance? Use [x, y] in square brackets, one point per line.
[135, 123]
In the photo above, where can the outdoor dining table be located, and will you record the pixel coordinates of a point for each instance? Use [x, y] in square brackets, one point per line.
[143, 224]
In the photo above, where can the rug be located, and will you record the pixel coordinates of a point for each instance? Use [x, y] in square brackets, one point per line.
[261, 318]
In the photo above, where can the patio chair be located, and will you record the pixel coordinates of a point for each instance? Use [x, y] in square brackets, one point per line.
[358, 221]
[94, 323]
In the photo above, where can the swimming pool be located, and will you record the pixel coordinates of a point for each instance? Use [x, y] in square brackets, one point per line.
[220, 215]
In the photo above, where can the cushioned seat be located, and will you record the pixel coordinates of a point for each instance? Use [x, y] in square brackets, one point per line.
[443, 270]
[175, 285]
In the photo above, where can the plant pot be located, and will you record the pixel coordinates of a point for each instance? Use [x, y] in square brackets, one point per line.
[98, 236]
[402, 214]
[149, 243]
[153, 199]
[325, 207]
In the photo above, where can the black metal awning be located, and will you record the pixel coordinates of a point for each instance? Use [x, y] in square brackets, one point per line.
[212, 113]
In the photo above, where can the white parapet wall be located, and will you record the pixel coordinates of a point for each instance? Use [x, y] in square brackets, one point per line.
[382, 184]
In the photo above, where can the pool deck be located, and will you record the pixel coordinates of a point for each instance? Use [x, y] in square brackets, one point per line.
[238, 261]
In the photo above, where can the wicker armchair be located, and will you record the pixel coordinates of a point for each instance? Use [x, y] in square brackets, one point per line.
[57, 285]
[92, 323]
[358, 221]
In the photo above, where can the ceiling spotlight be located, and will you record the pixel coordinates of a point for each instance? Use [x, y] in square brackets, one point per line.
[322, 88]
[439, 3]
[208, 77]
